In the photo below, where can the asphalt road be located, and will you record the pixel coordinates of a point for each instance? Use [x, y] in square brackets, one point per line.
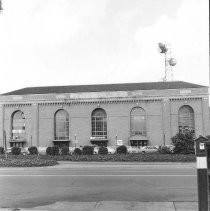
[74, 182]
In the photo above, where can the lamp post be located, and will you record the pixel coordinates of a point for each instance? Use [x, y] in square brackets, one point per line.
[116, 140]
[75, 140]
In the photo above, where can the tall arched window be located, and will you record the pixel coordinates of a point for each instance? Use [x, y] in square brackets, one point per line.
[18, 133]
[61, 125]
[138, 121]
[99, 123]
[186, 119]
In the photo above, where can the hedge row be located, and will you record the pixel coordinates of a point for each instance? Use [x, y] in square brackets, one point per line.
[152, 157]
[26, 161]
[86, 150]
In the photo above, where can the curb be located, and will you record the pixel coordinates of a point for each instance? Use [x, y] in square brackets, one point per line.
[114, 206]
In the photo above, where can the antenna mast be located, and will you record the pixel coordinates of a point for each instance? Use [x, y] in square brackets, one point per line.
[169, 61]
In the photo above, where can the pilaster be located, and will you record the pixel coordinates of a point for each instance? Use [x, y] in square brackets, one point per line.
[166, 115]
[1, 125]
[35, 124]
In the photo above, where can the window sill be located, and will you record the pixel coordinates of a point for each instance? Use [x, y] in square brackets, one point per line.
[17, 140]
[66, 140]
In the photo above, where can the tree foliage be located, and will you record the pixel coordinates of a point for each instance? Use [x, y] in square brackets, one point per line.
[87, 150]
[184, 143]
[33, 150]
[122, 149]
[102, 151]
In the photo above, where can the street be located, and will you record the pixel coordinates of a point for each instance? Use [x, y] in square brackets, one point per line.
[87, 182]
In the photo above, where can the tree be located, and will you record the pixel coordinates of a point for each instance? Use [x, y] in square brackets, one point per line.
[184, 142]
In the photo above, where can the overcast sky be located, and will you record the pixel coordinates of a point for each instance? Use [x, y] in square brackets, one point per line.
[73, 42]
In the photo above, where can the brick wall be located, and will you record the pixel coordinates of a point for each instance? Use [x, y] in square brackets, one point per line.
[161, 117]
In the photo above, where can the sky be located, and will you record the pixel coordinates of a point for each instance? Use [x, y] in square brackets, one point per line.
[75, 42]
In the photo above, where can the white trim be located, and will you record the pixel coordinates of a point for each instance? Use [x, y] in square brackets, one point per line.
[201, 162]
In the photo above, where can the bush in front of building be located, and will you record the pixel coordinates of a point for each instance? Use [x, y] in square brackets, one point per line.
[129, 157]
[48, 151]
[102, 151]
[122, 149]
[26, 161]
[16, 150]
[77, 151]
[64, 150]
[33, 150]
[54, 150]
[164, 150]
[184, 143]
[87, 150]
[1, 150]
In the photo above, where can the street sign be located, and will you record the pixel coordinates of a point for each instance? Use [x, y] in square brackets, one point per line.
[119, 142]
[75, 141]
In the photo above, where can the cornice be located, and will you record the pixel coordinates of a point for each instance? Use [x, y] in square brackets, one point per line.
[17, 105]
[185, 98]
[101, 101]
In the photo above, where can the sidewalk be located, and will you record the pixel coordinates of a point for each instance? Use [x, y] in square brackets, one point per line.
[116, 205]
[66, 164]
[130, 165]
[72, 164]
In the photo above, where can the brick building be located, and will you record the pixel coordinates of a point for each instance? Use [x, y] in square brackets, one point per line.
[136, 113]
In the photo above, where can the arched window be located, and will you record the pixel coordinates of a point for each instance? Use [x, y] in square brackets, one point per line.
[186, 119]
[18, 133]
[99, 123]
[61, 120]
[138, 121]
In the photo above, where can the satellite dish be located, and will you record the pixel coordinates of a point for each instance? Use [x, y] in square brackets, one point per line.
[172, 62]
[162, 47]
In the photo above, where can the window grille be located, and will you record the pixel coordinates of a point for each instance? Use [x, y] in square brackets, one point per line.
[18, 126]
[61, 125]
[99, 123]
[18, 129]
[186, 119]
[138, 121]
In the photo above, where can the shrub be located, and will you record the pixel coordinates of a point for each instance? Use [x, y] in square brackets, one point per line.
[164, 150]
[122, 149]
[184, 143]
[1, 150]
[102, 151]
[64, 150]
[48, 151]
[16, 150]
[33, 150]
[87, 150]
[77, 151]
[137, 157]
[55, 150]
[26, 161]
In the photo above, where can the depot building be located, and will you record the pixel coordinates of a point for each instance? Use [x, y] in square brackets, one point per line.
[135, 114]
